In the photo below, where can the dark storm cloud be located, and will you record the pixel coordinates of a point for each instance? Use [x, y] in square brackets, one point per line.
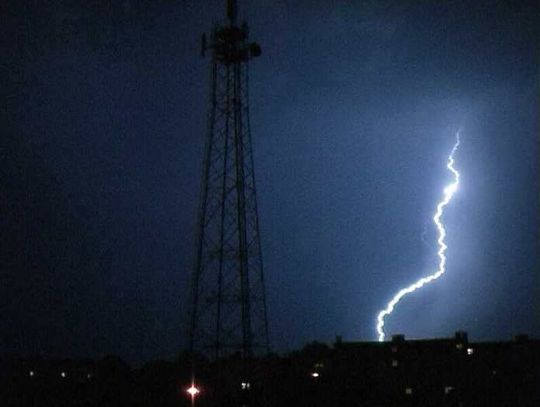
[354, 106]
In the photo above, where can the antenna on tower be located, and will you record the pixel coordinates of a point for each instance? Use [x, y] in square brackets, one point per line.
[231, 11]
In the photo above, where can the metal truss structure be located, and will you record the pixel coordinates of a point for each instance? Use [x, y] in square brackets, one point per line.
[228, 306]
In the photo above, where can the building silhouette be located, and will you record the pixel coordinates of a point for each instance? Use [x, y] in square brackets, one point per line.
[429, 372]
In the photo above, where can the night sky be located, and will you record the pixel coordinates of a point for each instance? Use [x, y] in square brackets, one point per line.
[354, 107]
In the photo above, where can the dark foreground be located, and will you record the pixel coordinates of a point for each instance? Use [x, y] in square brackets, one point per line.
[438, 372]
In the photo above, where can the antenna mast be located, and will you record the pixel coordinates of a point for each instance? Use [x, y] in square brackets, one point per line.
[228, 305]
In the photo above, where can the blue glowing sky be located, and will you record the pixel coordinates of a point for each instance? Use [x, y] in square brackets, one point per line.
[354, 109]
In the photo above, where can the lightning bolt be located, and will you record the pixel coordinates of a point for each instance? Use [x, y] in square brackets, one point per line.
[448, 193]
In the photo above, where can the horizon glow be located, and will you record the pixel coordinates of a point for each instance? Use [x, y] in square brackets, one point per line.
[448, 193]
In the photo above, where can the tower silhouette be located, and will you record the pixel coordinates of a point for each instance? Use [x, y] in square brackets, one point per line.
[228, 305]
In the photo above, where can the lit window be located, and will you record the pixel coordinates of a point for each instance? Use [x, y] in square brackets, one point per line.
[408, 391]
[470, 351]
[448, 389]
[245, 385]
[63, 374]
[315, 374]
[395, 363]
[31, 373]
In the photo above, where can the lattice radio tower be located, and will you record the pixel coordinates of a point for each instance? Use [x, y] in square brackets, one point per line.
[228, 306]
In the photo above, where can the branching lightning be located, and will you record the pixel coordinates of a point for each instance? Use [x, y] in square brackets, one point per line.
[448, 193]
